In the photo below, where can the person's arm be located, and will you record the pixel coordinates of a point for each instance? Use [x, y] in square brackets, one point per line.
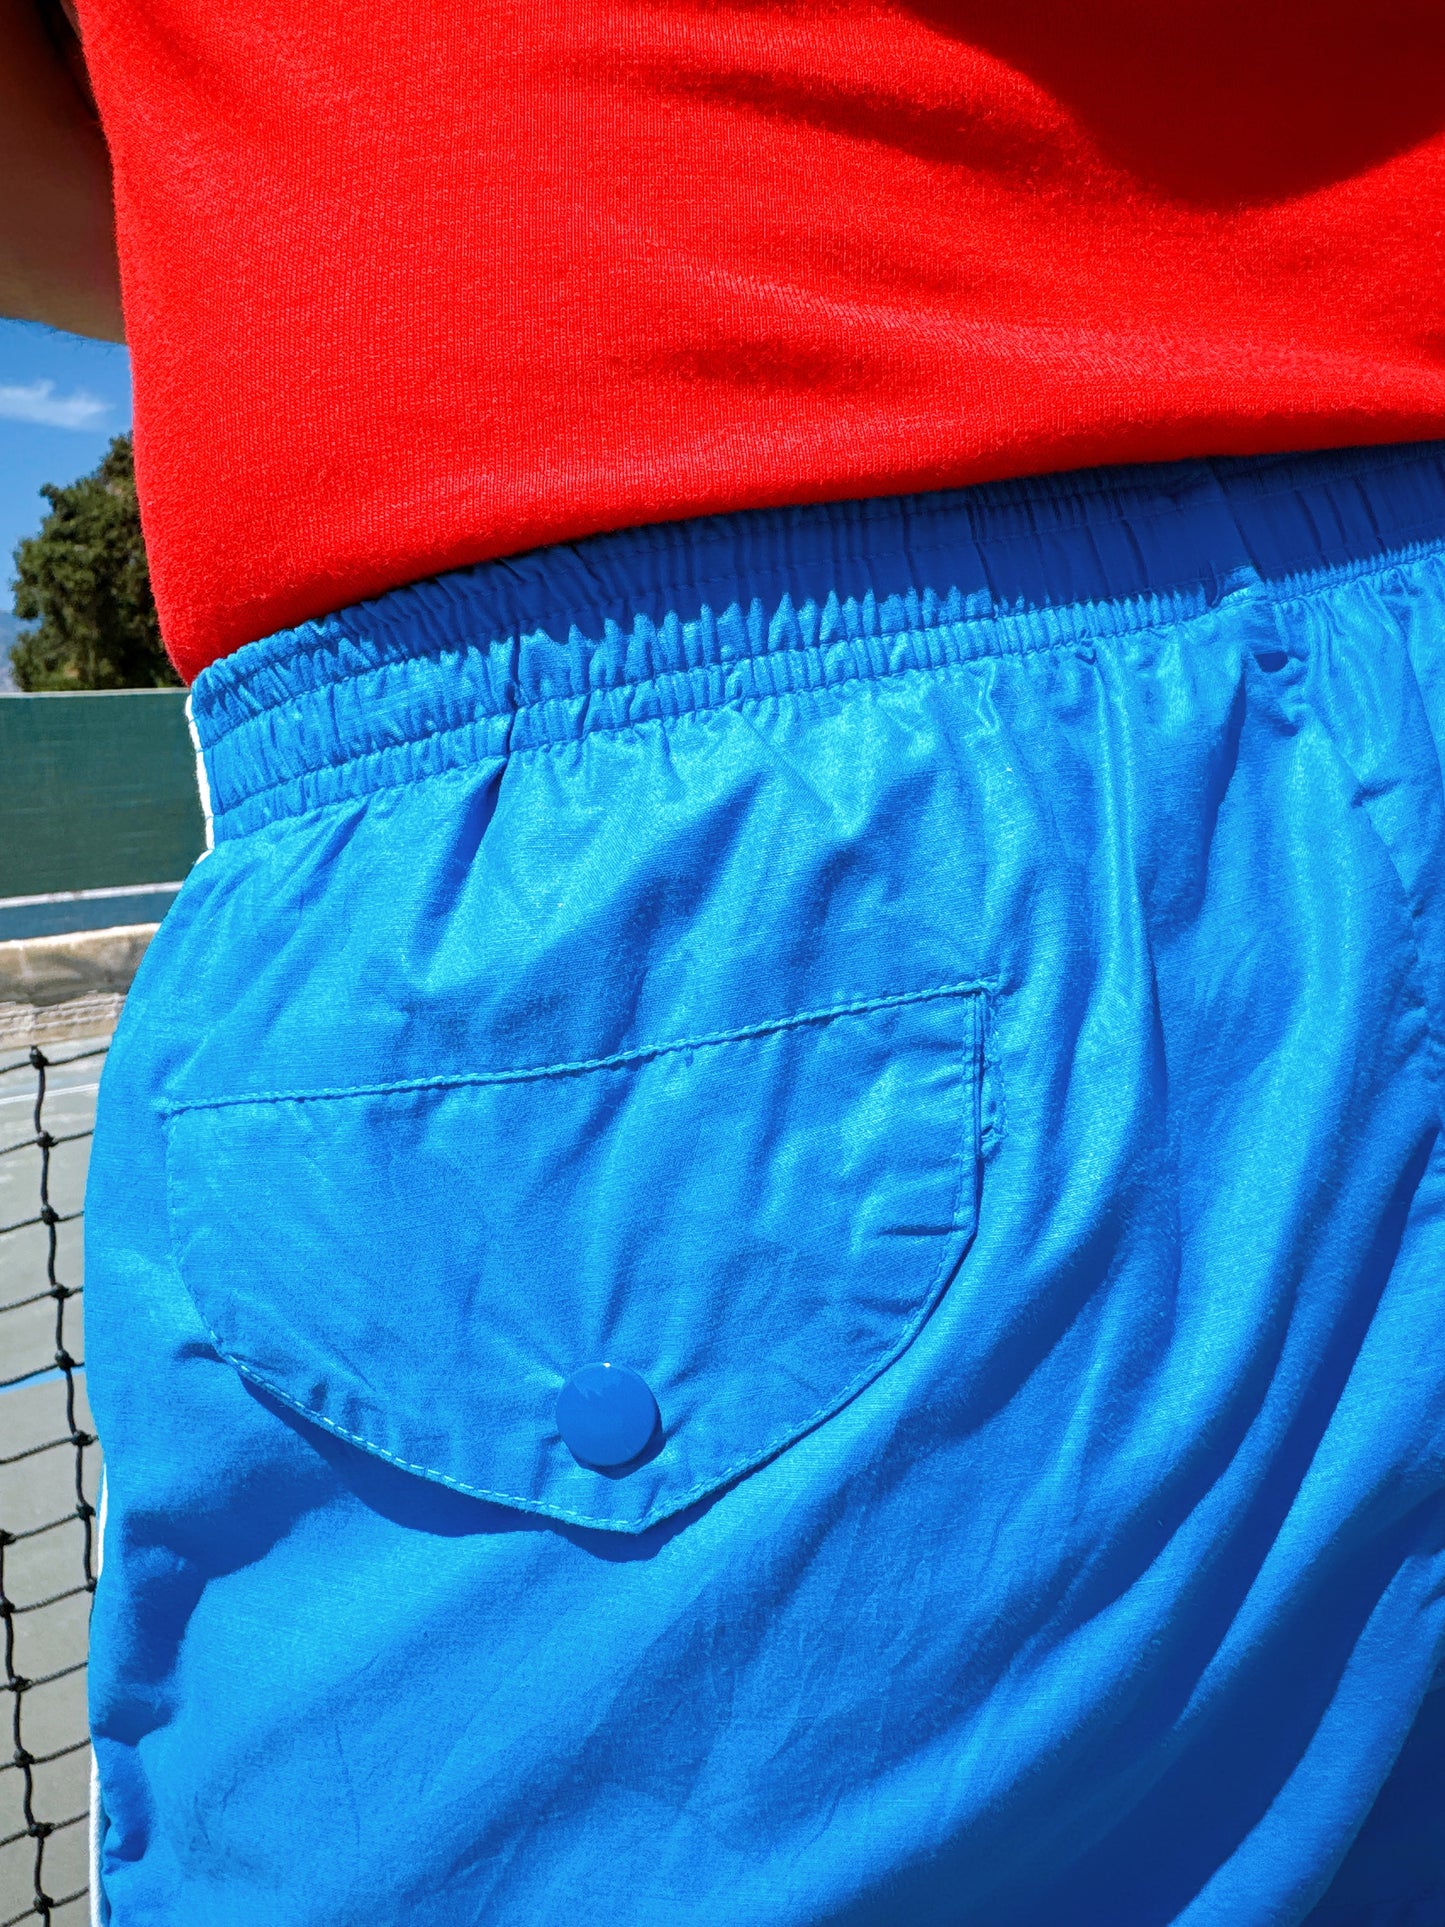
[57, 230]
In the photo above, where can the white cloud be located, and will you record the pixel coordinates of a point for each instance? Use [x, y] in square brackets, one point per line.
[37, 401]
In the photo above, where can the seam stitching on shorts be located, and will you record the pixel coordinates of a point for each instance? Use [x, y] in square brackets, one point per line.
[643, 685]
[506, 720]
[991, 1084]
[1082, 647]
[616, 1060]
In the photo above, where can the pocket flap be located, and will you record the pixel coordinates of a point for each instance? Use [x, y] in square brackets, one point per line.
[755, 1222]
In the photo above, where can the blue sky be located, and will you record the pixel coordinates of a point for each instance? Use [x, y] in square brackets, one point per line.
[61, 400]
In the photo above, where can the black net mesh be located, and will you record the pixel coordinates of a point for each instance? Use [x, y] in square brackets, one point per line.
[49, 1466]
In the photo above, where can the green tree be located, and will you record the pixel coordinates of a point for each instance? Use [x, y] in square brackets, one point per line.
[83, 580]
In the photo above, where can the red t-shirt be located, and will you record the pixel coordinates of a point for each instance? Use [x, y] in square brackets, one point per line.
[413, 285]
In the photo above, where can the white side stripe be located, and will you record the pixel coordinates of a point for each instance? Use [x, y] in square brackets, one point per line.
[99, 1912]
[203, 782]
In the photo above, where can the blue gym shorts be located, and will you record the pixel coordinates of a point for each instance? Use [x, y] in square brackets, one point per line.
[767, 1240]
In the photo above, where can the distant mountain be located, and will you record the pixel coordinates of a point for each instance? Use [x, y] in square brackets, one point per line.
[9, 636]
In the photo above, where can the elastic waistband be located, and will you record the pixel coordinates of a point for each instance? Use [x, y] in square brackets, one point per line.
[656, 622]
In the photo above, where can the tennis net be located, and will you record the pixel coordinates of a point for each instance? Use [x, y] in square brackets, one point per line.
[49, 1472]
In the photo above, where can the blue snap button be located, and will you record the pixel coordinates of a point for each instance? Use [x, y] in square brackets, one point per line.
[606, 1414]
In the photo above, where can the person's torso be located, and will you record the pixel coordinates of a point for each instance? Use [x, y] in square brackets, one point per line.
[412, 288]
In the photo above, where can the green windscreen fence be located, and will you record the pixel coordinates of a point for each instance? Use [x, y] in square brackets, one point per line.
[96, 789]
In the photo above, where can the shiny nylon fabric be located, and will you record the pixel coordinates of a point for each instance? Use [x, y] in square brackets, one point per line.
[1104, 1585]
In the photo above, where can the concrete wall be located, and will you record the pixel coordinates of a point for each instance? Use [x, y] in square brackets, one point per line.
[54, 988]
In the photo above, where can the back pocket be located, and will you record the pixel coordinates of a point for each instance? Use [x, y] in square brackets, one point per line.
[756, 1222]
